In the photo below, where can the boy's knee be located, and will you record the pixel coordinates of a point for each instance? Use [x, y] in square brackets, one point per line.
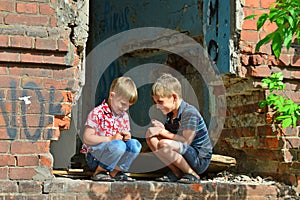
[162, 144]
[134, 145]
[117, 146]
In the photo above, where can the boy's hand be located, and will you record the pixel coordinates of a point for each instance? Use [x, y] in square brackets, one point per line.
[153, 131]
[126, 135]
[157, 123]
[117, 136]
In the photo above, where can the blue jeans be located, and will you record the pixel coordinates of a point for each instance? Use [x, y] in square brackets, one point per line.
[198, 164]
[108, 155]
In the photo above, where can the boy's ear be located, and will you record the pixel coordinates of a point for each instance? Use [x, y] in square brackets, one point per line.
[112, 94]
[175, 96]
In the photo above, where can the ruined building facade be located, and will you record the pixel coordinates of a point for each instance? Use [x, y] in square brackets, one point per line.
[44, 45]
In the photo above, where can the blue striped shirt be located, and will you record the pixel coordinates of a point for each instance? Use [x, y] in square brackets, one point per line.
[189, 118]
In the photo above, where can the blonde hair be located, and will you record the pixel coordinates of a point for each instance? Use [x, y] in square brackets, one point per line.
[166, 85]
[125, 87]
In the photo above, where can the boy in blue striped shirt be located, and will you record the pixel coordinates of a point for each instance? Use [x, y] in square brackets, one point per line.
[182, 142]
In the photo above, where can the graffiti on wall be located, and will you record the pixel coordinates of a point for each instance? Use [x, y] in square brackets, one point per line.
[10, 118]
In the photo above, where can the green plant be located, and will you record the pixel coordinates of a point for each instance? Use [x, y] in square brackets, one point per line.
[285, 13]
[285, 111]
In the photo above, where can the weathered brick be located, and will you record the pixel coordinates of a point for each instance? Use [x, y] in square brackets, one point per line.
[45, 44]
[32, 121]
[51, 133]
[7, 160]
[3, 70]
[3, 41]
[57, 84]
[3, 173]
[27, 161]
[8, 187]
[249, 25]
[4, 145]
[32, 58]
[8, 133]
[46, 9]
[27, 147]
[30, 71]
[266, 3]
[96, 187]
[26, 20]
[9, 56]
[62, 122]
[247, 11]
[250, 36]
[292, 142]
[32, 83]
[46, 160]
[295, 61]
[53, 22]
[295, 74]
[271, 142]
[30, 187]
[21, 42]
[31, 133]
[269, 27]
[287, 155]
[285, 59]
[9, 82]
[265, 130]
[262, 190]
[54, 59]
[21, 173]
[7, 5]
[76, 186]
[63, 45]
[252, 3]
[29, 8]
[259, 71]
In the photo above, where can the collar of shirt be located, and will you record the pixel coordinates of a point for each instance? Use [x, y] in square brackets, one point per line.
[180, 110]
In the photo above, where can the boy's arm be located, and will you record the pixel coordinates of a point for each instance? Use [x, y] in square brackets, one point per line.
[187, 136]
[90, 137]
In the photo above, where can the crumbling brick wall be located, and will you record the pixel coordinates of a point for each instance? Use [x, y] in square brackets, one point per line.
[248, 134]
[41, 53]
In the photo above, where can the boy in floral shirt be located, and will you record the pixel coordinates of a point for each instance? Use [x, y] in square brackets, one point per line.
[107, 138]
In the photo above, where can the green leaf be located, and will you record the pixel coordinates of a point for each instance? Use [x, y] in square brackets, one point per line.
[276, 44]
[287, 122]
[290, 20]
[263, 103]
[250, 17]
[282, 117]
[261, 20]
[295, 119]
[266, 39]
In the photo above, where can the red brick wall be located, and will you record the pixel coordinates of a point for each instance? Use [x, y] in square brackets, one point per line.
[247, 135]
[37, 59]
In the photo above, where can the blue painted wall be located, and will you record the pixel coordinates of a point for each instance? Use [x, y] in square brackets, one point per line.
[110, 17]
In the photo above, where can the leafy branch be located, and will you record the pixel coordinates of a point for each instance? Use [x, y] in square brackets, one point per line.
[286, 111]
[285, 13]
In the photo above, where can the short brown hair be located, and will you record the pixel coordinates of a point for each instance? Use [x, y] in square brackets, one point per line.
[166, 85]
[125, 87]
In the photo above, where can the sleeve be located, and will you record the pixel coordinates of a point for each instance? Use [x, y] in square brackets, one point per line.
[126, 124]
[190, 119]
[94, 121]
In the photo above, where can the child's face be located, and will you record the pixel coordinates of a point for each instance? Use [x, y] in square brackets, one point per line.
[165, 104]
[118, 103]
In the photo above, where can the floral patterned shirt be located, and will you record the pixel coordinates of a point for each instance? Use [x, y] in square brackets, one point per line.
[105, 122]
